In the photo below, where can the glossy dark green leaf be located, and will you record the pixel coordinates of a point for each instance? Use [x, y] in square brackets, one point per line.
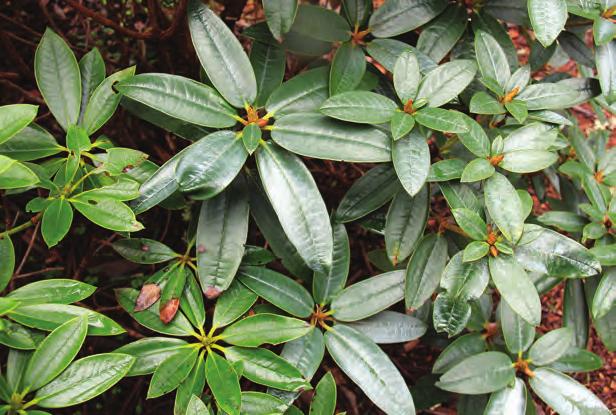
[604, 57]
[221, 235]
[577, 360]
[491, 58]
[405, 223]
[482, 373]
[363, 107]
[471, 223]
[504, 206]
[370, 368]
[348, 68]
[567, 221]
[143, 250]
[321, 23]
[475, 250]
[190, 387]
[221, 55]
[179, 97]
[424, 270]
[516, 287]
[251, 135]
[264, 367]
[224, 383]
[324, 400]
[458, 350]
[439, 36]
[407, 76]
[172, 371]
[232, 304]
[551, 346]
[278, 289]
[605, 297]
[546, 96]
[387, 52]
[564, 394]
[279, 16]
[92, 70]
[268, 62]
[511, 397]
[576, 311]
[19, 337]
[57, 290]
[549, 252]
[108, 213]
[84, 379]
[258, 403]
[368, 297]
[411, 159]
[395, 17]
[315, 135]
[390, 327]
[7, 265]
[179, 326]
[58, 78]
[259, 329]
[518, 334]
[14, 174]
[444, 83]
[485, 103]
[208, 166]
[326, 286]
[302, 93]
[150, 352]
[438, 119]
[31, 143]
[14, 118]
[548, 18]
[466, 280]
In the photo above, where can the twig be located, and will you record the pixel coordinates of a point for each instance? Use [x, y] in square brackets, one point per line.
[40, 271]
[29, 249]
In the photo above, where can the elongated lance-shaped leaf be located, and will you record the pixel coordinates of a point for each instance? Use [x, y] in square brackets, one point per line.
[191, 386]
[265, 328]
[492, 59]
[224, 383]
[405, 223]
[150, 352]
[7, 265]
[84, 379]
[92, 70]
[370, 368]
[324, 400]
[440, 35]
[548, 18]
[327, 286]
[424, 270]
[268, 62]
[14, 118]
[518, 334]
[482, 373]
[172, 371]
[221, 55]
[444, 83]
[512, 397]
[363, 107]
[406, 76]
[233, 303]
[221, 235]
[390, 327]
[348, 68]
[279, 15]
[504, 206]
[302, 93]
[58, 78]
[605, 56]
[411, 159]
[604, 299]
[179, 97]
[55, 353]
[458, 350]
[314, 135]
[400, 16]
[57, 290]
[298, 204]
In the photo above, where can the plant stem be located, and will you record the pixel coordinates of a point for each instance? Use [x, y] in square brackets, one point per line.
[34, 219]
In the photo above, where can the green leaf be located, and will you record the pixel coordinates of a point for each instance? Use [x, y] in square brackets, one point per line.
[221, 55]
[438, 119]
[564, 394]
[464, 346]
[368, 193]
[347, 69]
[504, 206]
[551, 346]
[232, 304]
[577, 360]
[251, 136]
[208, 166]
[180, 98]
[466, 280]
[566, 221]
[475, 250]
[14, 118]
[196, 407]
[440, 36]
[320, 23]
[108, 213]
[57, 290]
[258, 403]
[491, 59]
[18, 337]
[150, 352]
[390, 327]
[605, 296]
[576, 311]
[57, 76]
[363, 107]
[475, 139]
[55, 353]
[190, 387]
[356, 11]
[31, 143]
[191, 301]
[104, 101]
[404, 224]
[527, 161]
[14, 174]
[264, 367]
[407, 76]
[302, 93]
[324, 400]
[298, 204]
[259, 329]
[370, 368]
[84, 379]
[278, 290]
[548, 252]
[387, 51]
[179, 326]
[172, 371]
[424, 270]
[57, 221]
[224, 383]
[395, 17]
[476, 170]
[471, 223]
[511, 397]
[326, 286]
[314, 135]
[548, 18]
[401, 124]
[603, 31]
[482, 373]
[516, 287]
[446, 82]
[518, 109]
[7, 265]
[92, 70]
[604, 57]
[484, 103]
[221, 235]
[411, 159]
[518, 334]
[279, 15]
[546, 96]
[268, 62]
[370, 296]
[143, 250]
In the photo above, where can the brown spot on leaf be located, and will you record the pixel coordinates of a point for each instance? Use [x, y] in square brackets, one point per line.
[149, 294]
[200, 248]
[168, 310]
[212, 293]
